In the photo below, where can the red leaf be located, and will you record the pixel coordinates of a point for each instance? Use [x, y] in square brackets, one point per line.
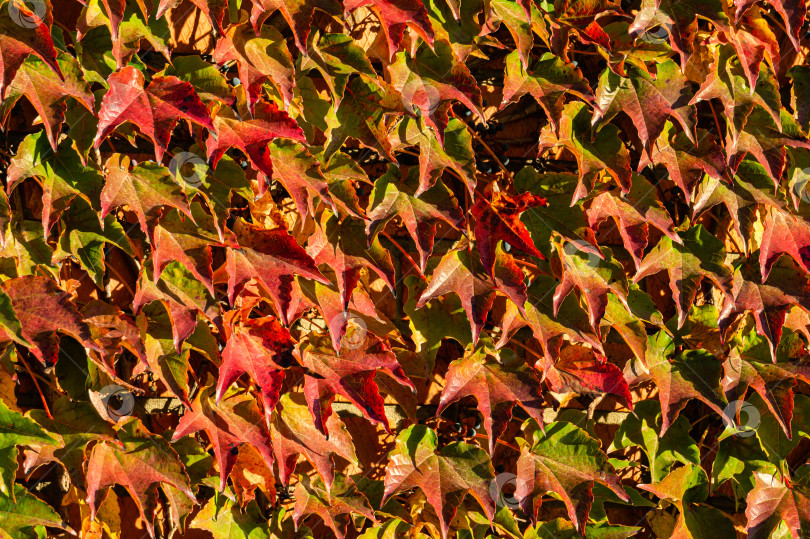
[294, 434]
[259, 59]
[44, 309]
[23, 32]
[495, 388]
[229, 424]
[395, 16]
[343, 246]
[349, 373]
[459, 272]
[154, 110]
[251, 136]
[272, 258]
[581, 370]
[499, 219]
[260, 347]
[145, 189]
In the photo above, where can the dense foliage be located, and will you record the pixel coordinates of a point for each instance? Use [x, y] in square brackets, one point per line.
[404, 268]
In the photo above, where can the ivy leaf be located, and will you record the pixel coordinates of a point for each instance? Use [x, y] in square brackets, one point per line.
[272, 258]
[44, 309]
[643, 428]
[763, 139]
[774, 500]
[395, 16]
[229, 424]
[300, 173]
[648, 102]
[570, 321]
[753, 40]
[85, 239]
[23, 510]
[114, 331]
[595, 278]
[633, 214]
[768, 301]
[343, 246]
[73, 426]
[444, 475]
[207, 81]
[214, 10]
[155, 110]
[801, 86]
[727, 82]
[294, 434]
[679, 19]
[604, 151]
[261, 347]
[522, 20]
[699, 255]
[145, 189]
[395, 196]
[333, 504]
[750, 190]
[17, 41]
[139, 462]
[750, 365]
[456, 151]
[349, 372]
[260, 58]
[48, 95]
[361, 115]
[188, 242]
[298, 15]
[547, 81]
[337, 57]
[16, 429]
[432, 78]
[496, 389]
[61, 174]
[343, 176]
[566, 461]
[686, 162]
[783, 234]
[694, 374]
[499, 219]
[251, 136]
[686, 487]
[581, 370]
[460, 273]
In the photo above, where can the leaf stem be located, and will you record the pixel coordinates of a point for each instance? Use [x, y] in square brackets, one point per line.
[411, 260]
[36, 383]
